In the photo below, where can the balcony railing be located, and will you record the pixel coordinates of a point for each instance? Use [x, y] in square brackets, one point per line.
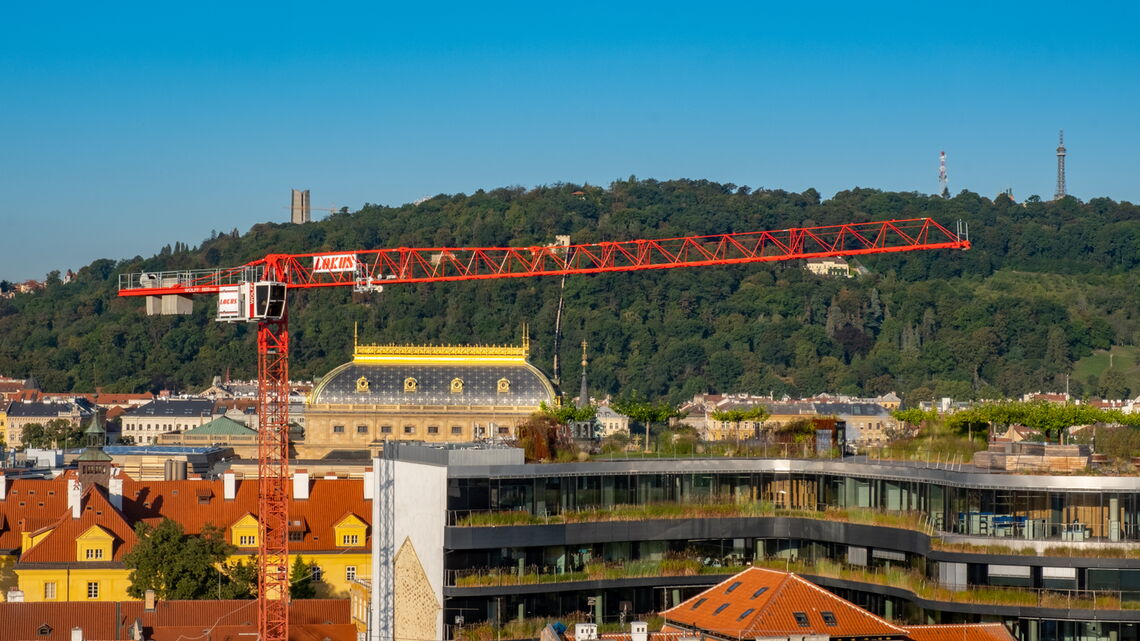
[894, 576]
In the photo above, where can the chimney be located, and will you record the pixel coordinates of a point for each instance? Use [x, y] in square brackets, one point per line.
[300, 485]
[639, 631]
[74, 497]
[585, 632]
[115, 492]
[3, 486]
[229, 485]
[369, 479]
[148, 601]
[77, 634]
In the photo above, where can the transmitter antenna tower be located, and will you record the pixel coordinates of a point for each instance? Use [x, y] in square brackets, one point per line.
[1060, 168]
[943, 185]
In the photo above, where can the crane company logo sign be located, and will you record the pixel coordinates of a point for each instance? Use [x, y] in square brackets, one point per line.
[334, 263]
[229, 302]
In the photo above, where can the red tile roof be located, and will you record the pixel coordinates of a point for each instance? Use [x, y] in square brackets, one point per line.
[960, 632]
[760, 602]
[193, 503]
[59, 545]
[310, 619]
[30, 516]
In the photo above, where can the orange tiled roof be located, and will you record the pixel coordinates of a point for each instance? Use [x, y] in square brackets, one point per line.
[329, 500]
[30, 504]
[960, 632]
[193, 503]
[307, 617]
[760, 602]
[95, 509]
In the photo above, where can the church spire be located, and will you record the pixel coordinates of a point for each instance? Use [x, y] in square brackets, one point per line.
[583, 393]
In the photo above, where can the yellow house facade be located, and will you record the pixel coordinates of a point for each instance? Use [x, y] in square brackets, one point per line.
[78, 554]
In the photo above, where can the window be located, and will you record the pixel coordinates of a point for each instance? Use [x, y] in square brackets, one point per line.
[801, 619]
[433, 429]
[456, 430]
[247, 540]
[49, 591]
[735, 584]
[720, 608]
[386, 429]
[94, 553]
[361, 429]
[350, 573]
[92, 589]
[829, 618]
[745, 613]
[296, 536]
[759, 592]
[317, 573]
[350, 539]
[504, 430]
[699, 603]
[338, 429]
[409, 429]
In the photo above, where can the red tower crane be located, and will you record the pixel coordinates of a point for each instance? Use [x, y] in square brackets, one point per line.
[258, 291]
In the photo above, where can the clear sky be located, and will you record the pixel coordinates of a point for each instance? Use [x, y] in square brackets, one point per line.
[124, 127]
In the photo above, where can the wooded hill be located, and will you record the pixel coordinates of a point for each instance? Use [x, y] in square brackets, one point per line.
[1045, 284]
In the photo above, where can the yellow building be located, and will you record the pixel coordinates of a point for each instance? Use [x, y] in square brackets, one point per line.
[444, 393]
[66, 542]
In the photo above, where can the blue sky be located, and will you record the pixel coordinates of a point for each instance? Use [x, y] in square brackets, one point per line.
[127, 127]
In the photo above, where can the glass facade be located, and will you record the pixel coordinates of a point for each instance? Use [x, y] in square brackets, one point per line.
[955, 507]
[1028, 514]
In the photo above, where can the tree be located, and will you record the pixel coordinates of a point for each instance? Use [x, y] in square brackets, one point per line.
[542, 437]
[757, 414]
[1112, 385]
[646, 412]
[302, 579]
[176, 565]
[568, 413]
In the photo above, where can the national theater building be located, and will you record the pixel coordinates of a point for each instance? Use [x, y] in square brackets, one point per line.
[424, 393]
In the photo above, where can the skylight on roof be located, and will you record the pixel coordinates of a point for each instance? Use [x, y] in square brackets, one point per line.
[735, 584]
[829, 618]
[699, 603]
[801, 619]
[745, 613]
[759, 592]
[721, 607]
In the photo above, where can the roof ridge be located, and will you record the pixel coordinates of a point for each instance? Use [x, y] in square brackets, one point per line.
[834, 596]
[762, 610]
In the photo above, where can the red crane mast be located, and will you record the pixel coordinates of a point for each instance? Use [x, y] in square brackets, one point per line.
[258, 292]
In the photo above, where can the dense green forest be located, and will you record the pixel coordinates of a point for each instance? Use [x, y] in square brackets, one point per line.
[1045, 284]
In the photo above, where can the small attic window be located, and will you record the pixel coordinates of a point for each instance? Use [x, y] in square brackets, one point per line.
[31, 492]
[735, 584]
[51, 492]
[745, 613]
[720, 608]
[829, 618]
[44, 630]
[759, 592]
[174, 492]
[802, 619]
[699, 603]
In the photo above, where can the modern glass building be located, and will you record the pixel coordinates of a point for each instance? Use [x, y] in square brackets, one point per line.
[1052, 557]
